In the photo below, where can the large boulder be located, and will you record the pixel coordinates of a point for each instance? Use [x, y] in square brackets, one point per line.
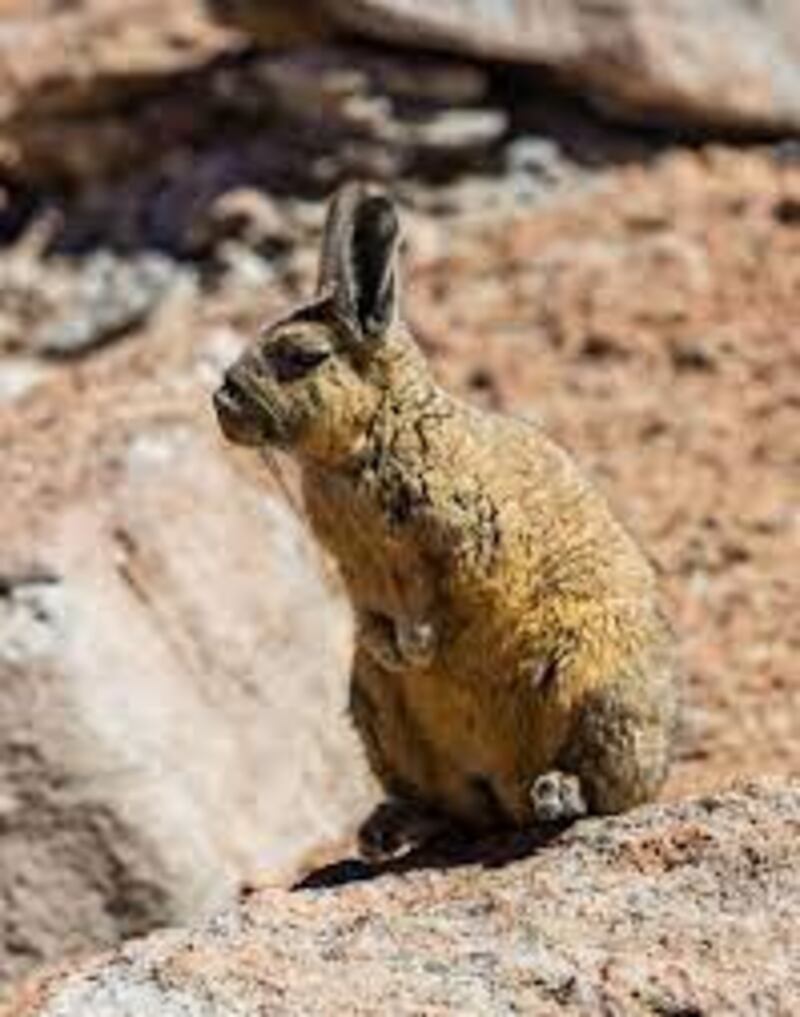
[724, 63]
[69, 74]
[172, 658]
[95, 89]
[683, 909]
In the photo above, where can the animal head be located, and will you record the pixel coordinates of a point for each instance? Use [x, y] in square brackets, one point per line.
[313, 381]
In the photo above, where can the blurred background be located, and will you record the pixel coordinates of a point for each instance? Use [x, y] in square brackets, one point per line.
[602, 216]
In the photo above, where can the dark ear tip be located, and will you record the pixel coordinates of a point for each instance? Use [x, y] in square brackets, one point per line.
[358, 251]
[377, 218]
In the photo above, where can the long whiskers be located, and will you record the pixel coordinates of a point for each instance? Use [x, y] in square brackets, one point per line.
[270, 460]
[325, 564]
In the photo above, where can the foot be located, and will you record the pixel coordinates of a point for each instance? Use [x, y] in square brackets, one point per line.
[396, 644]
[557, 798]
[395, 828]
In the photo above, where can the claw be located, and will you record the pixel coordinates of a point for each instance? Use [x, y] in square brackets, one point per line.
[557, 797]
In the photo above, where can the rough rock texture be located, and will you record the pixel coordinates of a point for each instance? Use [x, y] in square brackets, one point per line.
[70, 310]
[67, 69]
[685, 909]
[307, 118]
[727, 63]
[63, 57]
[91, 88]
[99, 87]
[172, 663]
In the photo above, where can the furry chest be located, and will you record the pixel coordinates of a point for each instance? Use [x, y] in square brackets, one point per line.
[381, 560]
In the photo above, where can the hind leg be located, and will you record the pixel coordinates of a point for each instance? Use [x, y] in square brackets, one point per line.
[621, 744]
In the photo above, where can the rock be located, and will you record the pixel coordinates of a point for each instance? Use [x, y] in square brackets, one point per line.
[19, 375]
[85, 54]
[683, 909]
[61, 306]
[461, 130]
[95, 89]
[111, 296]
[272, 24]
[172, 661]
[381, 113]
[720, 63]
[535, 157]
[245, 215]
[69, 73]
[29, 296]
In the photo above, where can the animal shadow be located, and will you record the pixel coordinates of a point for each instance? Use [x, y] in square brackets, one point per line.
[449, 851]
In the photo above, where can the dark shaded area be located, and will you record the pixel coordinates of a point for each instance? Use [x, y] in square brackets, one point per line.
[232, 125]
[449, 851]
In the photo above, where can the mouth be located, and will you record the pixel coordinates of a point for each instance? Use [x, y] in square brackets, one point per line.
[243, 417]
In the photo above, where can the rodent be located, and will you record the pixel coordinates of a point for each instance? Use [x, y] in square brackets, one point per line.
[512, 664]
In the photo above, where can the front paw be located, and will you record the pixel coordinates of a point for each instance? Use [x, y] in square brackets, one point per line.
[416, 642]
[395, 828]
[396, 645]
[376, 634]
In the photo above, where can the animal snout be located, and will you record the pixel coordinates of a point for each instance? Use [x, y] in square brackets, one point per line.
[236, 412]
[229, 402]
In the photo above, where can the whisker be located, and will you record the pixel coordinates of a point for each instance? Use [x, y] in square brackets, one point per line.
[270, 460]
[324, 562]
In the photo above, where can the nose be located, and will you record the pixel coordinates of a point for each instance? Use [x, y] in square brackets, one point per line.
[228, 397]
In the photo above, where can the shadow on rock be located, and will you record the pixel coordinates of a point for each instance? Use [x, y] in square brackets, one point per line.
[448, 852]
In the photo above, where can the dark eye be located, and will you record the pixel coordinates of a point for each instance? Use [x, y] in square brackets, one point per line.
[292, 362]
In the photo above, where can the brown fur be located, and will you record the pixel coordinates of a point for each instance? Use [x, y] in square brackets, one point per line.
[507, 624]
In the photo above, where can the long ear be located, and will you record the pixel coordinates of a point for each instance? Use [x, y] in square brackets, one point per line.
[357, 267]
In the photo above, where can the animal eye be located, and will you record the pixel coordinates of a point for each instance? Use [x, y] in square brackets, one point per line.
[291, 363]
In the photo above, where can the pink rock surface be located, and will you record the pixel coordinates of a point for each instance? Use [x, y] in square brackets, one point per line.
[683, 909]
